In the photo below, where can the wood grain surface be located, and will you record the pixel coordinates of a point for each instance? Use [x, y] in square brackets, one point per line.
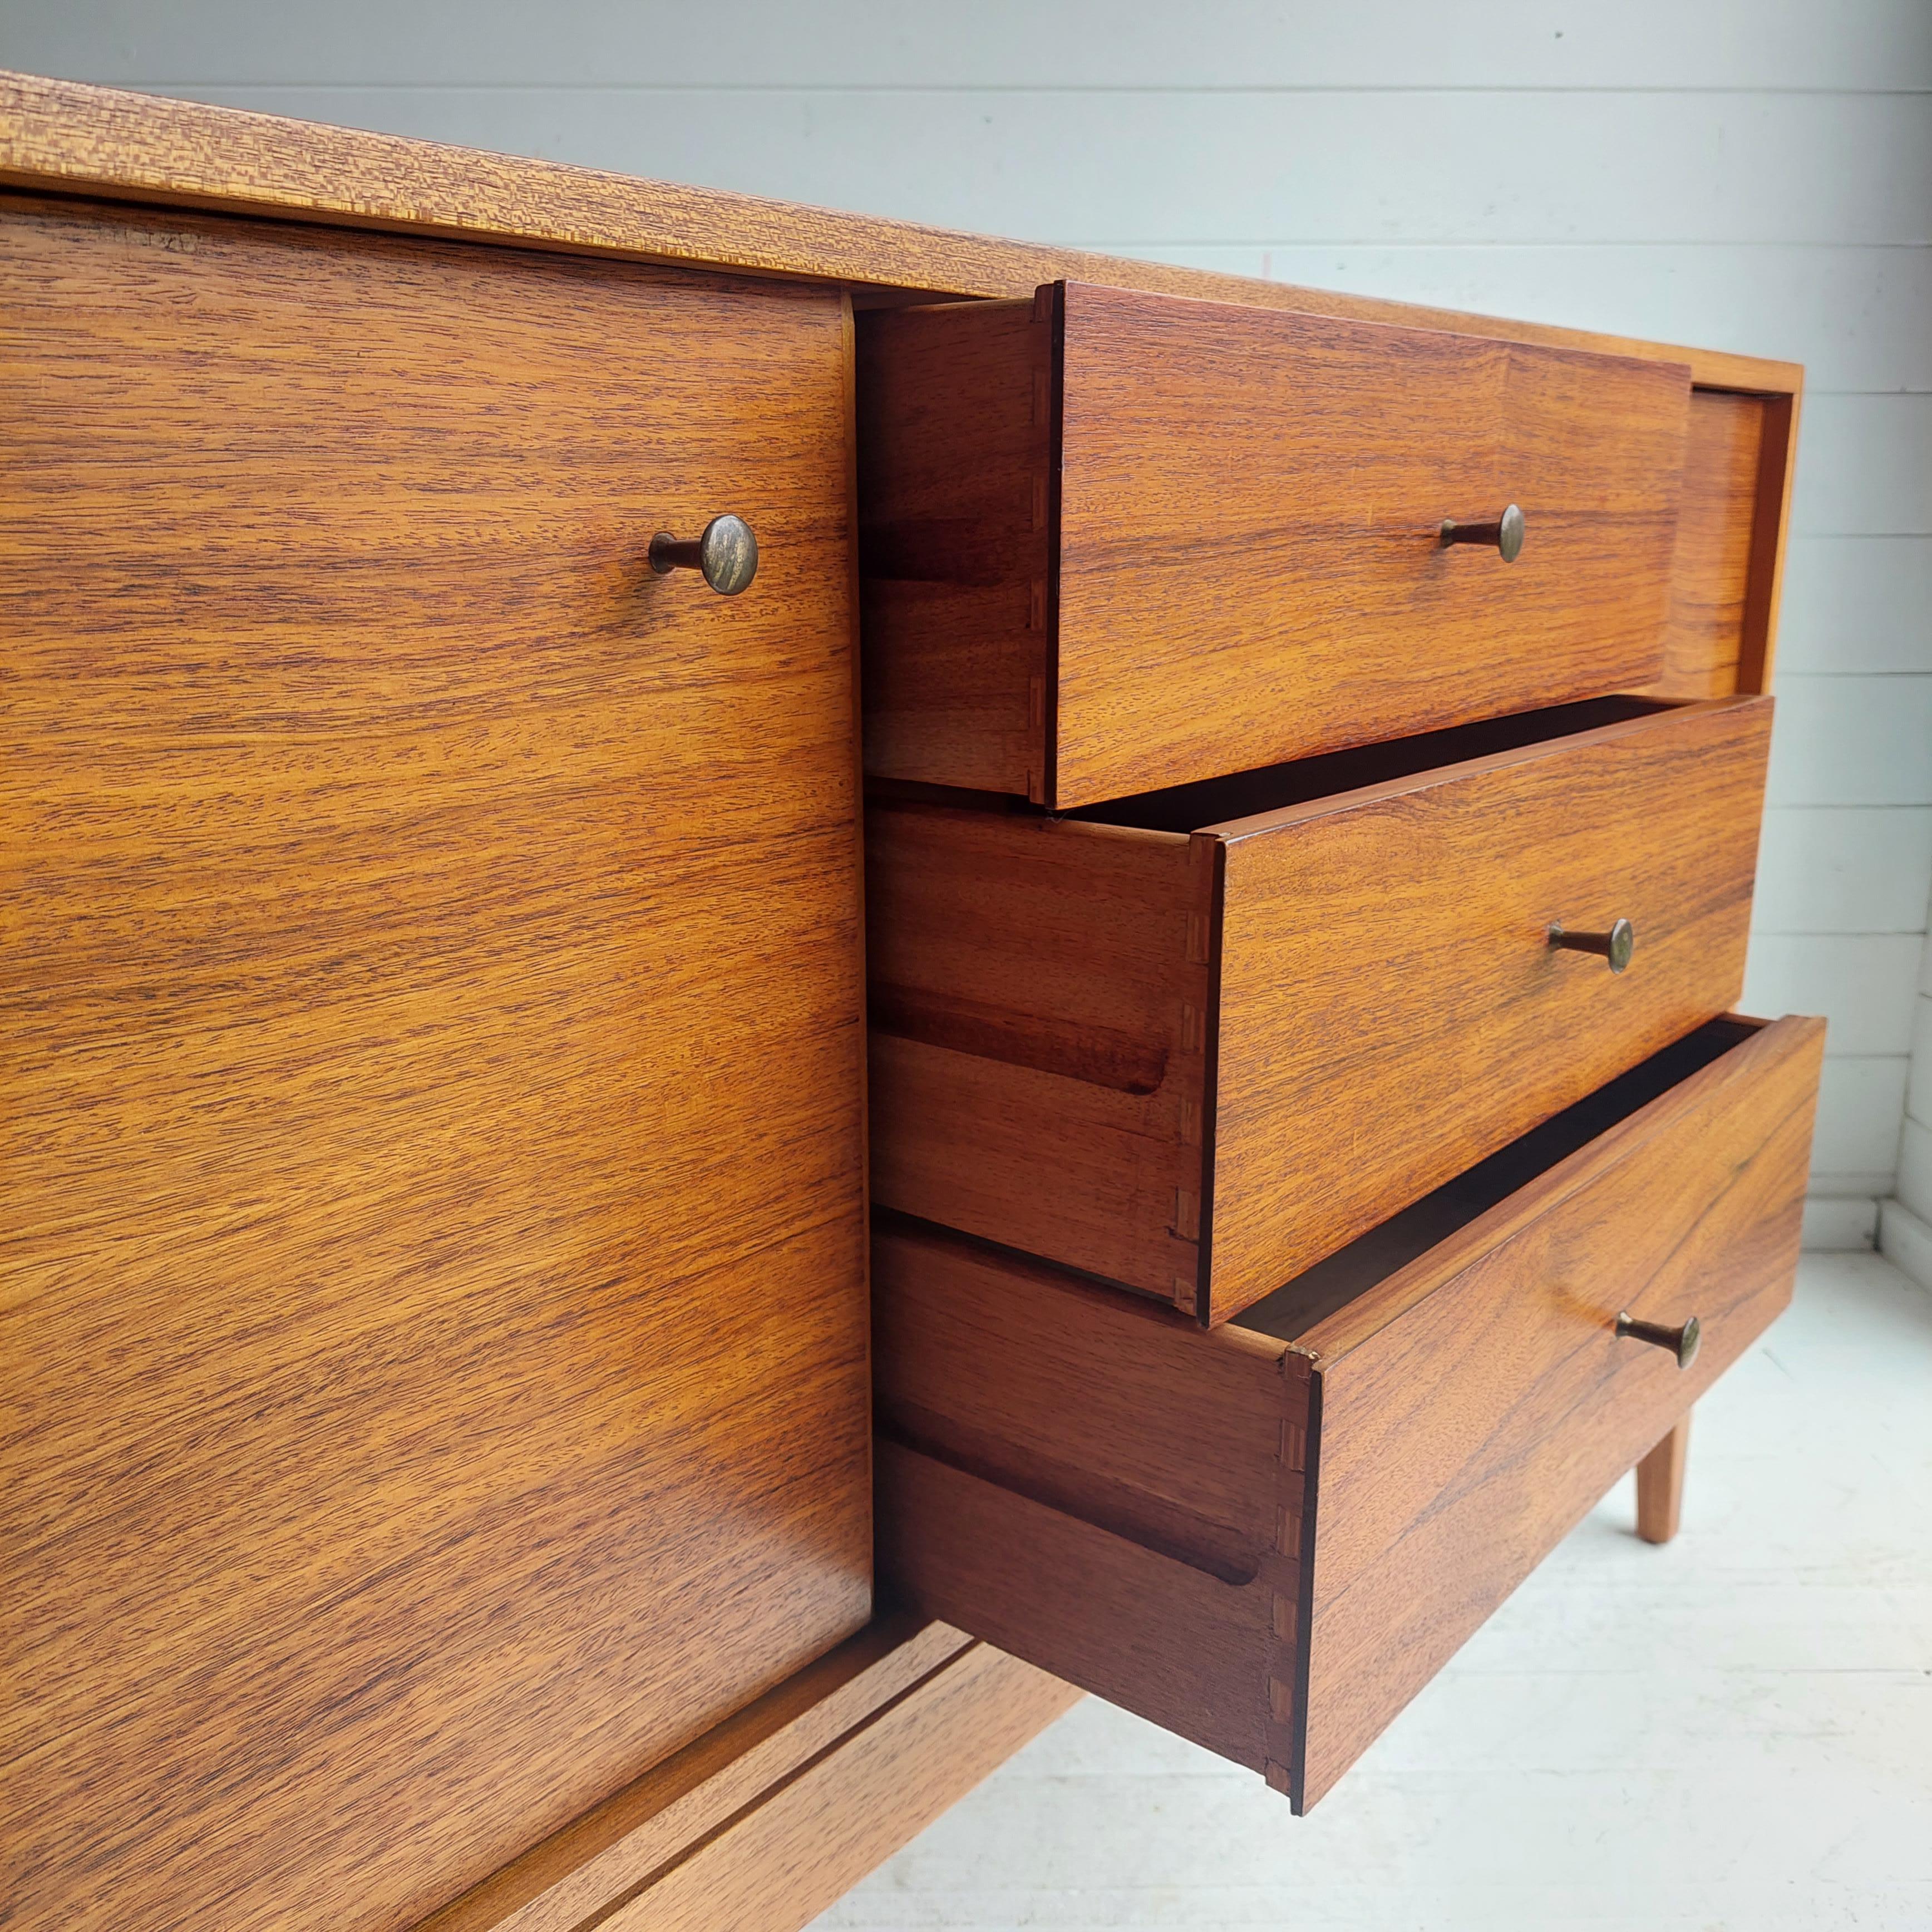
[1726, 576]
[1710, 573]
[435, 1354]
[66, 135]
[612, 1855]
[1062, 1024]
[1039, 999]
[1172, 1643]
[1771, 529]
[1099, 1404]
[955, 514]
[1372, 1043]
[779, 1862]
[1114, 1478]
[1660, 1485]
[1234, 559]
[1473, 1406]
[1249, 565]
[1267, 1538]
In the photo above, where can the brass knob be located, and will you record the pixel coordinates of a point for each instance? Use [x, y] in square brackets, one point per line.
[1682, 1342]
[727, 553]
[1616, 946]
[1505, 533]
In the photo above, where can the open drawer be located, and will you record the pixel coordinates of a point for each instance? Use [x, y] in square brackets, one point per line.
[1268, 1537]
[1110, 540]
[1195, 1041]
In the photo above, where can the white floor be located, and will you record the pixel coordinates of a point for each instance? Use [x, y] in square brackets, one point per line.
[1733, 1731]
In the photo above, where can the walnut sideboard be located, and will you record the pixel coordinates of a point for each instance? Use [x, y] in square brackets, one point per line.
[544, 710]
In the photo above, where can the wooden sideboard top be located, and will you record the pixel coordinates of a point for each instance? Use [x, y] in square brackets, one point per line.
[68, 136]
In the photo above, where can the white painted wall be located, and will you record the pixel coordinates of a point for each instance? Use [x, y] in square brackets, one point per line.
[1746, 174]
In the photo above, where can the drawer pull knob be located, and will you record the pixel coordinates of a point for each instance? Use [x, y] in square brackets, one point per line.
[727, 553]
[1616, 946]
[1682, 1342]
[1505, 533]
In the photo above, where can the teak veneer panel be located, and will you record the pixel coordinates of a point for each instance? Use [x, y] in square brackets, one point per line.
[1038, 1006]
[1119, 541]
[1190, 1466]
[1076, 1473]
[1196, 1066]
[1472, 1409]
[779, 1863]
[1710, 576]
[1174, 1644]
[1387, 992]
[947, 1710]
[956, 451]
[1268, 1539]
[435, 1315]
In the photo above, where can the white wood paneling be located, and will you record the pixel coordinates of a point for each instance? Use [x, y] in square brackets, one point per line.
[1915, 1167]
[1868, 467]
[1861, 1110]
[1840, 1224]
[1905, 1239]
[1850, 869]
[1852, 741]
[1376, 44]
[1865, 985]
[1918, 1090]
[1857, 606]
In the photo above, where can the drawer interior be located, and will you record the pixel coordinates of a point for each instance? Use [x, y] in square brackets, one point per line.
[1189, 807]
[1311, 1297]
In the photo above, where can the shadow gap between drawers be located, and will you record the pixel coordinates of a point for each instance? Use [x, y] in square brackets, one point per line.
[1292, 1309]
[1247, 794]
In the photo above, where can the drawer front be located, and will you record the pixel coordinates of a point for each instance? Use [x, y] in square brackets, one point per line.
[1267, 1539]
[1390, 1008]
[435, 1333]
[1119, 540]
[1196, 1067]
[1462, 1438]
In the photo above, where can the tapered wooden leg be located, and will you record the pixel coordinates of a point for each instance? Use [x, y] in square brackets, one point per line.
[1660, 1485]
